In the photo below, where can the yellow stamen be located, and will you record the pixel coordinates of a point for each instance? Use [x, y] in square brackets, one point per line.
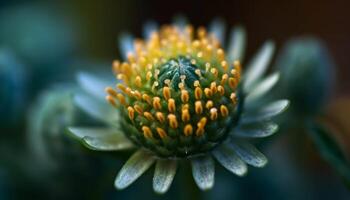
[198, 93]
[149, 116]
[160, 117]
[147, 99]
[138, 109]
[198, 107]
[162, 134]
[121, 99]
[171, 105]
[166, 93]
[156, 103]
[224, 110]
[221, 90]
[147, 132]
[111, 100]
[185, 115]
[209, 104]
[172, 121]
[184, 96]
[188, 130]
[131, 112]
[213, 87]
[208, 93]
[213, 114]
[138, 81]
[110, 91]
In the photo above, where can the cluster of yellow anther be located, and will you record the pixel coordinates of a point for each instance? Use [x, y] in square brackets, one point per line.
[184, 104]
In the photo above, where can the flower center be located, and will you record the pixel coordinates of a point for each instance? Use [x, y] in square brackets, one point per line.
[177, 94]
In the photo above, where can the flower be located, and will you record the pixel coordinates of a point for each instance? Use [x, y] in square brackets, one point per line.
[181, 97]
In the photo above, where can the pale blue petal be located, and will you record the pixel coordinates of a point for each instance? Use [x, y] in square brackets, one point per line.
[137, 164]
[203, 171]
[92, 84]
[227, 157]
[101, 139]
[98, 109]
[258, 66]
[249, 154]
[163, 175]
[236, 48]
[126, 44]
[255, 130]
[266, 112]
[113, 142]
[261, 89]
[180, 21]
[218, 28]
[148, 28]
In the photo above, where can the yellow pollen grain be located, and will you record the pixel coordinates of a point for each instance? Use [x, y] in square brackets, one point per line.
[146, 98]
[121, 87]
[209, 104]
[198, 93]
[232, 83]
[111, 91]
[147, 132]
[138, 81]
[138, 109]
[213, 114]
[213, 87]
[171, 105]
[224, 79]
[160, 117]
[224, 65]
[198, 107]
[166, 93]
[137, 95]
[149, 116]
[223, 110]
[214, 71]
[111, 100]
[202, 122]
[162, 134]
[184, 96]
[233, 98]
[188, 130]
[121, 99]
[199, 131]
[208, 93]
[185, 116]
[131, 112]
[156, 103]
[221, 90]
[172, 121]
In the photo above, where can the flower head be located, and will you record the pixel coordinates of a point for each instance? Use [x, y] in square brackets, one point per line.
[178, 92]
[181, 97]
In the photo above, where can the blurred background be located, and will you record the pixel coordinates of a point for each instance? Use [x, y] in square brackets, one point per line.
[43, 44]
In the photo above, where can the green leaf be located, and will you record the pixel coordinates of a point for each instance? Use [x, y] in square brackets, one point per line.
[329, 150]
[137, 164]
[164, 175]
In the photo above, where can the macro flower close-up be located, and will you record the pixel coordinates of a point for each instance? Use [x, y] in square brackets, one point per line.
[181, 100]
[181, 96]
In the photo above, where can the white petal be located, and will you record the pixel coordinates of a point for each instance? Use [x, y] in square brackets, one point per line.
[126, 44]
[92, 84]
[266, 112]
[249, 154]
[81, 132]
[258, 66]
[256, 130]
[237, 44]
[164, 175]
[261, 89]
[137, 164]
[203, 171]
[148, 28]
[227, 157]
[96, 108]
[218, 28]
[113, 142]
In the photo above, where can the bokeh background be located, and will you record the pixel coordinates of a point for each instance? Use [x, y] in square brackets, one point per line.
[43, 44]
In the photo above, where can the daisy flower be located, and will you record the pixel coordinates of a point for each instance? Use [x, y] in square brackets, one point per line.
[181, 97]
